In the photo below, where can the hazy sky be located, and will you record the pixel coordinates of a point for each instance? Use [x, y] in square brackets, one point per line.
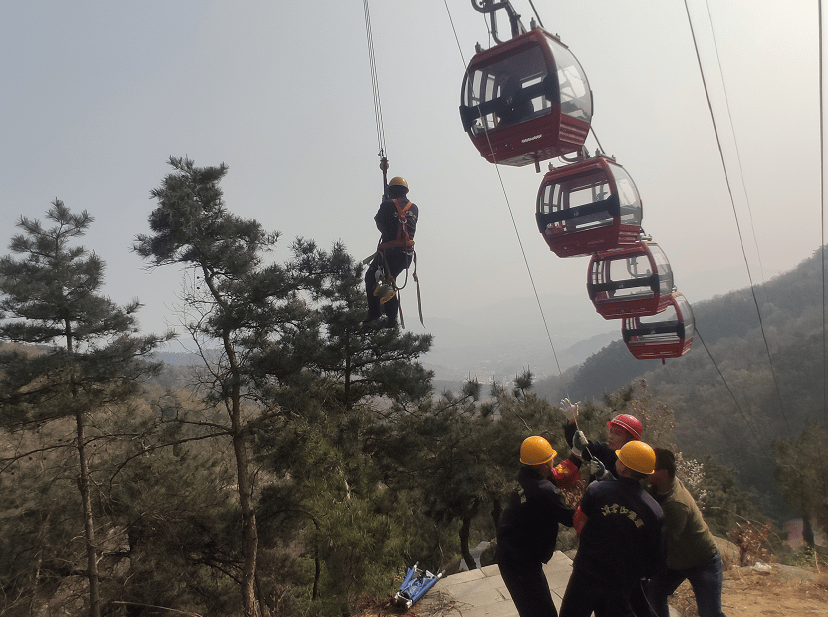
[98, 95]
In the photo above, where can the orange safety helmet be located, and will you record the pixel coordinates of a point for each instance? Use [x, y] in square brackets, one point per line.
[638, 456]
[536, 450]
[629, 423]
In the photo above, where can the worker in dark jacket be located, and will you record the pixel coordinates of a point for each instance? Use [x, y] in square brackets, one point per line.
[528, 528]
[623, 428]
[396, 220]
[622, 539]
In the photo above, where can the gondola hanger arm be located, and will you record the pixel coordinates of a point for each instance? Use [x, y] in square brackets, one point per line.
[491, 7]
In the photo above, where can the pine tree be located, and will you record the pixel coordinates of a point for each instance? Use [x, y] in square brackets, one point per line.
[235, 301]
[343, 385]
[51, 297]
[360, 363]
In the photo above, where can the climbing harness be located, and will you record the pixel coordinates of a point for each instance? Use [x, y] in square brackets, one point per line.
[387, 285]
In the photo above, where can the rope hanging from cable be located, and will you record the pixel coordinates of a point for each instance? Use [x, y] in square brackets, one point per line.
[374, 82]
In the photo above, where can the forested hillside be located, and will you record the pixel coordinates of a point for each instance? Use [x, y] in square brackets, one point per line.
[732, 396]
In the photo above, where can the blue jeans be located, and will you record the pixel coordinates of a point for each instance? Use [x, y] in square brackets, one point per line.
[706, 579]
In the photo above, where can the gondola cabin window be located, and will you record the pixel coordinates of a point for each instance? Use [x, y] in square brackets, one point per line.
[508, 92]
[576, 99]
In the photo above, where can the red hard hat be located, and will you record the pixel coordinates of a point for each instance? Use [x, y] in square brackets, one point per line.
[629, 423]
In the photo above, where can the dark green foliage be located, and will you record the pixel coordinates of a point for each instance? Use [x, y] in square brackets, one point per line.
[723, 503]
[177, 511]
[51, 295]
[802, 473]
[40, 518]
[331, 501]
[459, 460]
[358, 362]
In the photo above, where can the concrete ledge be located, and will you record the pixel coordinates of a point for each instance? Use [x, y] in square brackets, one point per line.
[482, 593]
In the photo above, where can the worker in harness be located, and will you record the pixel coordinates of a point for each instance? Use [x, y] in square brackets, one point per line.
[397, 222]
[528, 528]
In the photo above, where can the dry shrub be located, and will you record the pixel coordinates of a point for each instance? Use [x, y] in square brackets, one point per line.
[753, 544]
[369, 606]
[684, 600]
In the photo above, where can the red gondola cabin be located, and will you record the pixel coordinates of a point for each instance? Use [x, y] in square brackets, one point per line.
[630, 281]
[526, 100]
[588, 206]
[666, 335]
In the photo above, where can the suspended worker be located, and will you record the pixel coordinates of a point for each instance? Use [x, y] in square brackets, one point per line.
[623, 428]
[692, 553]
[622, 539]
[528, 528]
[397, 222]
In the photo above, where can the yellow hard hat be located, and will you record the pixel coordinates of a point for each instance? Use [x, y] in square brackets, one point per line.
[638, 456]
[398, 181]
[536, 450]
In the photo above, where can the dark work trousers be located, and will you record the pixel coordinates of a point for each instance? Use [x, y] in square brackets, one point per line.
[528, 587]
[398, 260]
[706, 579]
[586, 593]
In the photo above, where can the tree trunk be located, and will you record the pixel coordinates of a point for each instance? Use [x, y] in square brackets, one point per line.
[250, 536]
[465, 528]
[347, 375]
[807, 530]
[497, 510]
[88, 521]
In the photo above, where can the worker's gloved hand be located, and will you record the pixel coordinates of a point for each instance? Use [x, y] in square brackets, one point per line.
[597, 469]
[579, 443]
[570, 410]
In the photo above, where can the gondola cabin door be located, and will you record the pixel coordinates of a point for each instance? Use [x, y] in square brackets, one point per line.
[526, 100]
[589, 206]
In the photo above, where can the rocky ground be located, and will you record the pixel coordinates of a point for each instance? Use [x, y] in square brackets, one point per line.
[784, 591]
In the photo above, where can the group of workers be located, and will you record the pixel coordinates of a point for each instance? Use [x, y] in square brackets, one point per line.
[641, 533]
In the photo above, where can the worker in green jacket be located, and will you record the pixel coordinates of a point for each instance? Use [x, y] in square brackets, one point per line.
[692, 553]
